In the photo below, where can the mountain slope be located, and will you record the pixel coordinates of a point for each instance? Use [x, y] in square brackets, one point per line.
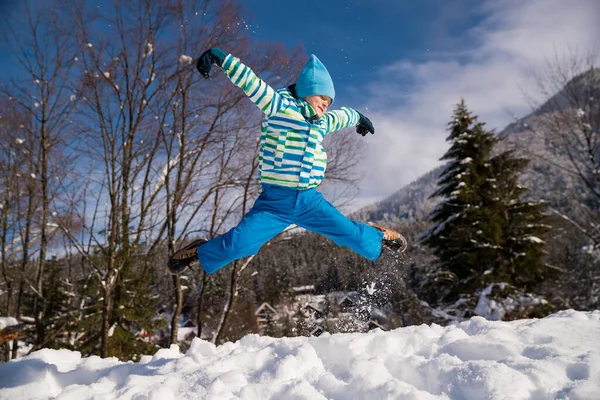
[549, 176]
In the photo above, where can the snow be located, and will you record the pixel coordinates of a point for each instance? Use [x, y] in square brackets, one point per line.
[149, 49]
[554, 357]
[493, 310]
[5, 322]
[533, 239]
[185, 59]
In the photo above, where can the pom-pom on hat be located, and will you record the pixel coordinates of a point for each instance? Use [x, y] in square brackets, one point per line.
[314, 79]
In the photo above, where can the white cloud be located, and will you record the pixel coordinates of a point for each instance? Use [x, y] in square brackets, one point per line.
[511, 45]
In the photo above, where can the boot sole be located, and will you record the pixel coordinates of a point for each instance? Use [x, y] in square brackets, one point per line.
[403, 242]
[186, 252]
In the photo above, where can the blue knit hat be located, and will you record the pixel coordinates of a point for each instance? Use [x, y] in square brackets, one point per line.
[314, 79]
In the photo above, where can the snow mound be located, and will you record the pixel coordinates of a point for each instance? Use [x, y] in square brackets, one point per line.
[553, 357]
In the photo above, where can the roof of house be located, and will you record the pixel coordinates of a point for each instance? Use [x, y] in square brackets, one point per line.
[265, 307]
[372, 324]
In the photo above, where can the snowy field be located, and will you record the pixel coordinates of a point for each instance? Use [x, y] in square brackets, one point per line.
[557, 357]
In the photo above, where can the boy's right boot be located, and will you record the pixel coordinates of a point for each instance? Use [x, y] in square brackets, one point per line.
[392, 240]
[186, 257]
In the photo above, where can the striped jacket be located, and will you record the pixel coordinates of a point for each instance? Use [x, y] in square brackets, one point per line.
[291, 141]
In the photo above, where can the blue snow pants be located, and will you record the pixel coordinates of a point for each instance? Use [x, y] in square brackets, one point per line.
[276, 208]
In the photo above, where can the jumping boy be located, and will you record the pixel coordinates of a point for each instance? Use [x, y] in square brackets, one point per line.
[292, 164]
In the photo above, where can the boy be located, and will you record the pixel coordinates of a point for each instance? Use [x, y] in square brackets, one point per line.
[292, 164]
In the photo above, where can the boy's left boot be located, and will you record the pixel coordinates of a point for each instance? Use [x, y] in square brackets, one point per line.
[392, 240]
[186, 257]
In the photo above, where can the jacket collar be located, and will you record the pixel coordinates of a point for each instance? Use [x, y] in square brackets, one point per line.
[306, 109]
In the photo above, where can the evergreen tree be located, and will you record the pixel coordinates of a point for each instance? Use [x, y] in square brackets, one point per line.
[483, 231]
[522, 225]
[134, 311]
[57, 303]
[330, 282]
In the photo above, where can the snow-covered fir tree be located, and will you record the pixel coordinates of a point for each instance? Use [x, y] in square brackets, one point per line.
[484, 232]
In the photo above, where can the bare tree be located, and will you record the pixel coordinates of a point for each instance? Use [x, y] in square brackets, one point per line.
[153, 136]
[239, 266]
[191, 131]
[10, 160]
[44, 48]
[570, 123]
[211, 130]
[121, 76]
[568, 120]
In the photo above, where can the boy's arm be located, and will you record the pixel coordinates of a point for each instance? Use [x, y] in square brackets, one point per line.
[342, 118]
[345, 117]
[261, 94]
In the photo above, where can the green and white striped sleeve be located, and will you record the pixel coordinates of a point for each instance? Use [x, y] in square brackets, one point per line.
[261, 94]
[338, 119]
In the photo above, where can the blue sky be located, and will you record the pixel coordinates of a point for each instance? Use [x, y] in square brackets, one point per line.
[356, 38]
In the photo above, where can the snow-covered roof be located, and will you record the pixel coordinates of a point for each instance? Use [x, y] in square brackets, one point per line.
[8, 321]
[184, 333]
[372, 324]
[265, 307]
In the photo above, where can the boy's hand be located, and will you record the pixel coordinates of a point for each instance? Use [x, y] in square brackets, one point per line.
[364, 125]
[208, 58]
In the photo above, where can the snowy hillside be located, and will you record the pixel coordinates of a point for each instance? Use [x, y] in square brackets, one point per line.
[408, 203]
[554, 357]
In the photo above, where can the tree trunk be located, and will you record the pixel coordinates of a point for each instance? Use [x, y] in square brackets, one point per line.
[5, 347]
[201, 304]
[106, 316]
[24, 261]
[7, 279]
[236, 270]
[39, 303]
[177, 310]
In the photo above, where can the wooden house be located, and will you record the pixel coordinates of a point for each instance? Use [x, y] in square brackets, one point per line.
[265, 313]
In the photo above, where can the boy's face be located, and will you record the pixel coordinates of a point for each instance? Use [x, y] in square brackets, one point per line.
[320, 103]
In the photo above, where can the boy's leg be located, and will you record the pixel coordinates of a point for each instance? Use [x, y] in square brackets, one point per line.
[269, 216]
[255, 229]
[315, 213]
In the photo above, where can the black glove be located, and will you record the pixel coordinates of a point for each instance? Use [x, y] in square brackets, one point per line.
[364, 125]
[208, 58]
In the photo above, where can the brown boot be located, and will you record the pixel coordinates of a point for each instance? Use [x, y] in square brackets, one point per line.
[392, 239]
[185, 257]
